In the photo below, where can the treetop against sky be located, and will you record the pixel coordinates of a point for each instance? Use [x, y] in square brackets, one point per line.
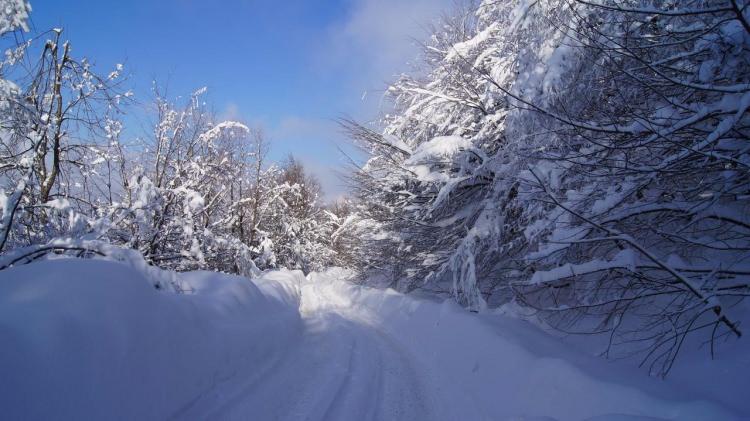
[293, 67]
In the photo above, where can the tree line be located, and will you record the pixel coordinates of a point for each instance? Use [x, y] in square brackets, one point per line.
[584, 160]
[194, 192]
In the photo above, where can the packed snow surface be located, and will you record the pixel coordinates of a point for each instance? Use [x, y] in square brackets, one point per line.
[94, 340]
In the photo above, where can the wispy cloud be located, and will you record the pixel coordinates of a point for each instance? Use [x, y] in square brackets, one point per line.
[359, 54]
[375, 42]
[231, 112]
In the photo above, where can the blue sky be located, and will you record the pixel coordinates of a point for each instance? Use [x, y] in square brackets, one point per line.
[291, 66]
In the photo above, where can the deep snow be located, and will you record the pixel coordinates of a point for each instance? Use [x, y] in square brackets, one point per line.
[94, 340]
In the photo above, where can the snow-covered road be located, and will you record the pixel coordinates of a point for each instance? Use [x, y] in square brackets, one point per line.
[377, 355]
[338, 369]
[95, 340]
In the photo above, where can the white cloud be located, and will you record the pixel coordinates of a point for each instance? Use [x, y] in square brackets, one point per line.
[231, 112]
[376, 41]
[330, 177]
[366, 50]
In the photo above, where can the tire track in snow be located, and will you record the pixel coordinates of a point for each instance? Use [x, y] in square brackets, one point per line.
[339, 369]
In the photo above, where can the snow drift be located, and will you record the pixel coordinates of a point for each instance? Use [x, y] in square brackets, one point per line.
[494, 367]
[90, 339]
[86, 339]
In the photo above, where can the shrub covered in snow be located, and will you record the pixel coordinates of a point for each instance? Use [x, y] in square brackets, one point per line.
[194, 193]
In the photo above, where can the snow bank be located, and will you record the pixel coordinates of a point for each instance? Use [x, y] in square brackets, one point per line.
[502, 368]
[87, 339]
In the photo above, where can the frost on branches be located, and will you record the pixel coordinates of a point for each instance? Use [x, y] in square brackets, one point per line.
[588, 160]
[193, 193]
[14, 15]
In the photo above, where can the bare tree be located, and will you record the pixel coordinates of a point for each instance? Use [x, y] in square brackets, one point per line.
[57, 127]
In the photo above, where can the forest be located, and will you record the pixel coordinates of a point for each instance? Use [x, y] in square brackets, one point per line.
[581, 164]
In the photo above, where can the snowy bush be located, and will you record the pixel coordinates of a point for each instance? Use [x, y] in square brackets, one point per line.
[194, 193]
